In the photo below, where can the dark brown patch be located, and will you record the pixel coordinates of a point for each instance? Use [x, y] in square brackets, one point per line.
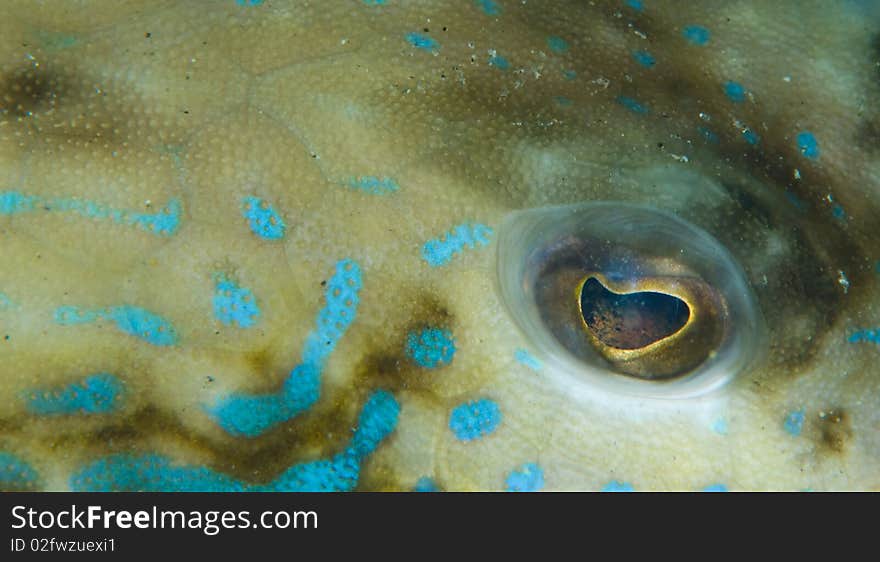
[835, 430]
[30, 90]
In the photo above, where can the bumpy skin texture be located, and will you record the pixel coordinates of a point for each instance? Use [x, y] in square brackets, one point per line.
[370, 129]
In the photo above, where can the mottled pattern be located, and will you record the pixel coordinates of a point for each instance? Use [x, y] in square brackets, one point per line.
[253, 244]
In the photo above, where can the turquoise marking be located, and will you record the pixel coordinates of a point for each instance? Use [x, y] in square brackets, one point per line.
[632, 105]
[262, 219]
[735, 92]
[12, 202]
[794, 423]
[795, 201]
[500, 63]
[15, 474]
[563, 101]
[439, 251]
[557, 44]
[715, 488]
[132, 320]
[696, 34]
[528, 359]
[250, 415]
[162, 223]
[527, 478]
[426, 484]
[375, 2]
[720, 426]
[5, 303]
[708, 134]
[340, 473]
[475, 419]
[234, 304]
[569, 74]
[644, 58]
[838, 211]
[808, 145]
[636, 5]
[616, 486]
[56, 41]
[865, 336]
[248, 2]
[489, 7]
[96, 394]
[751, 137]
[431, 347]
[422, 42]
[374, 185]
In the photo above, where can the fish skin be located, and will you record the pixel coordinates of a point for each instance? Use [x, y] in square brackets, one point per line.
[314, 109]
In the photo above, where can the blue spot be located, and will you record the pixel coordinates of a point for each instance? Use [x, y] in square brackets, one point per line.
[374, 185]
[431, 347]
[528, 359]
[563, 101]
[12, 202]
[838, 211]
[735, 91]
[569, 74]
[475, 419]
[132, 320]
[15, 473]
[615, 486]
[708, 134]
[866, 336]
[636, 5]
[439, 251]
[426, 484]
[423, 42]
[234, 304]
[794, 422]
[715, 488]
[5, 302]
[696, 34]
[374, 2]
[248, 2]
[97, 394]
[750, 136]
[489, 7]
[500, 63]
[632, 105]
[527, 478]
[644, 58]
[808, 145]
[719, 426]
[162, 223]
[339, 473]
[250, 415]
[557, 44]
[795, 200]
[262, 218]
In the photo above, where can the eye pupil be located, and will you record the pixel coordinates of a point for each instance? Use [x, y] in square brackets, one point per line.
[630, 320]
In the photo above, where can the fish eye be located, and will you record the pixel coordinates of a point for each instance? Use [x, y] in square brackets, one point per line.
[628, 298]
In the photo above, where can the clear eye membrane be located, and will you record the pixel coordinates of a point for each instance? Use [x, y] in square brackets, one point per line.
[628, 298]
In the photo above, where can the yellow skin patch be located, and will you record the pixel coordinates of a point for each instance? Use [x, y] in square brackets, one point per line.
[309, 107]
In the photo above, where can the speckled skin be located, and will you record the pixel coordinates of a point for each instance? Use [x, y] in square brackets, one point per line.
[133, 104]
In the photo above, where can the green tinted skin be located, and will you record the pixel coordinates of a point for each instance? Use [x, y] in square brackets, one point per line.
[310, 108]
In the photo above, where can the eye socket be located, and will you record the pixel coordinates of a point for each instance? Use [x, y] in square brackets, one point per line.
[628, 298]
